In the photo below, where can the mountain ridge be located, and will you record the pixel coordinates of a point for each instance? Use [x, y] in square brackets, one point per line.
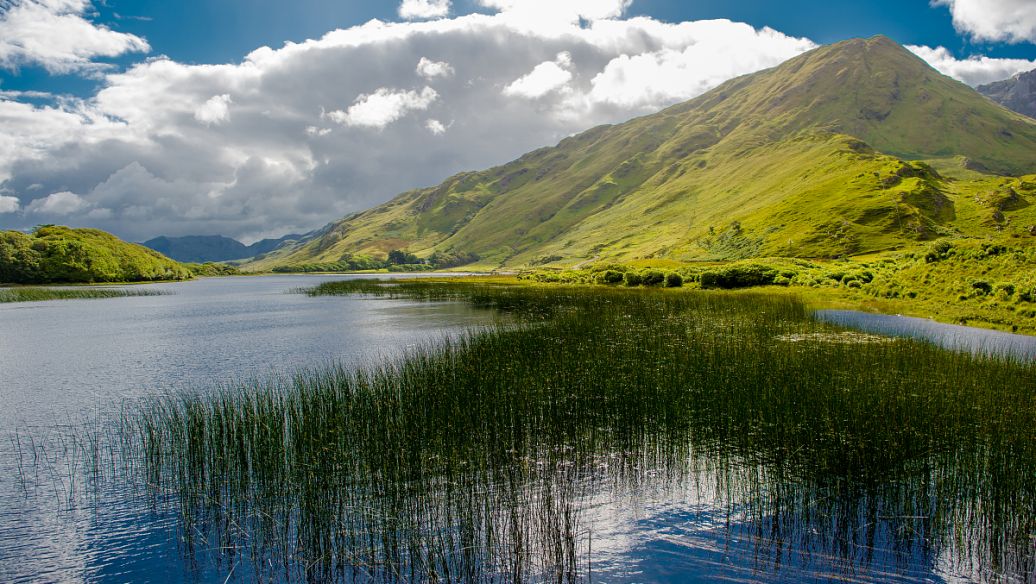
[817, 157]
[1017, 93]
[214, 248]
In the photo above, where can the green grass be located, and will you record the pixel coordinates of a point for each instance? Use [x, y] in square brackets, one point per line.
[481, 458]
[41, 294]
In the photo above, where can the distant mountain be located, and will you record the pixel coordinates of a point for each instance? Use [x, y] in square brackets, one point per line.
[214, 248]
[1017, 93]
[851, 148]
[57, 254]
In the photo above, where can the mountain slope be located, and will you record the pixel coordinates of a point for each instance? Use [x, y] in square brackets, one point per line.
[809, 158]
[213, 248]
[1017, 93]
[57, 254]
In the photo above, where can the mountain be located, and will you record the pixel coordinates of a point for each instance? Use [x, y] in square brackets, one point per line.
[851, 148]
[214, 248]
[1017, 93]
[57, 254]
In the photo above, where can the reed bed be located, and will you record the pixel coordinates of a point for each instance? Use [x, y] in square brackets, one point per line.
[483, 458]
[41, 294]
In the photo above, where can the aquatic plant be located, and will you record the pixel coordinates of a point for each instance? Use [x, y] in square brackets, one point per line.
[484, 458]
[40, 294]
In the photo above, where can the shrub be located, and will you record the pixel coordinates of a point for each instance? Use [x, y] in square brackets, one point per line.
[739, 276]
[631, 279]
[609, 277]
[981, 287]
[653, 278]
[673, 280]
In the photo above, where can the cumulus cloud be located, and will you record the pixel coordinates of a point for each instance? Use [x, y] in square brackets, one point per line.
[1012, 21]
[384, 106]
[436, 127]
[422, 9]
[56, 35]
[558, 10]
[975, 70]
[142, 156]
[214, 111]
[61, 204]
[9, 204]
[430, 69]
[544, 78]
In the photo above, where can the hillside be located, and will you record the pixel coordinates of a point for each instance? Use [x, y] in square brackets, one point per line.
[214, 248]
[56, 254]
[1017, 93]
[851, 148]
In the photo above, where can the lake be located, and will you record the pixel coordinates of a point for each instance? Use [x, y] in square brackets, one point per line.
[663, 519]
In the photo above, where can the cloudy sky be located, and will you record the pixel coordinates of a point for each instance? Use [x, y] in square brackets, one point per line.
[256, 118]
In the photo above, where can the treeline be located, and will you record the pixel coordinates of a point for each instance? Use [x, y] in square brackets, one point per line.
[395, 261]
[58, 254]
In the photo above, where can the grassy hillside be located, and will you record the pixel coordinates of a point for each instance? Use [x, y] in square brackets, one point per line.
[850, 149]
[56, 254]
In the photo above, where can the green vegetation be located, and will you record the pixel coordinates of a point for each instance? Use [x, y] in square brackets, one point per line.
[485, 458]
[213, 269]
[962, 281]
[40, 294]
[850, 149]
[56, 254]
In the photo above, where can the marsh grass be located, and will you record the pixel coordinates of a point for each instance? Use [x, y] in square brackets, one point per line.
[482, 458]
[41, 294]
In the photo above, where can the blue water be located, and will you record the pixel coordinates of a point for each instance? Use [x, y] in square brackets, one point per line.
[63, 361]
[949, 336]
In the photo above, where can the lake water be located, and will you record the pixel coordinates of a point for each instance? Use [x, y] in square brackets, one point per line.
[948, 336]
[65, 359]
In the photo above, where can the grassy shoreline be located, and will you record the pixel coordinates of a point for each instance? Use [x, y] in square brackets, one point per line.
[42, 294]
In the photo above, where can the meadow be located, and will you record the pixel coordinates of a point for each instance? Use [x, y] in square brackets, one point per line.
[484, 458]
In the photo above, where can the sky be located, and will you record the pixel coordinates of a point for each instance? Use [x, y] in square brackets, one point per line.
[256, 118]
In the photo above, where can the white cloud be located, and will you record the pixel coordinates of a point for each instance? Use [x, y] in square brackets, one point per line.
[974, 70]
[214, 111]
[384, 106]
[559, 10]
[9, 204]
[63, 203]
[54, 34]
[422, 9]
[143, 164]
[431, 69]
[1012, 21]
[436, 127]
[544, 78]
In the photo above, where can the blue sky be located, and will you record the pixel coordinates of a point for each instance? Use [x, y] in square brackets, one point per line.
[151, 117]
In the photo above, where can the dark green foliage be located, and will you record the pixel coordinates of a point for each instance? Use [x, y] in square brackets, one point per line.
[213, 269]
[400, 257]
[739, 276]
[452, 259]
[610, 277]
[632, 279]
[56, 254]
[673, 280]
[652, 278]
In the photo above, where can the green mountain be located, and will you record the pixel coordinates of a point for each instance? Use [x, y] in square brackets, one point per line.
[851, 148]
[57, 254]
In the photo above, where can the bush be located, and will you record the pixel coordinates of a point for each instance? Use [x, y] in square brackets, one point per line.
[673, 280]
[653, 278]
[610, 277]
[981, 287]
[739, 276]
[631, 279]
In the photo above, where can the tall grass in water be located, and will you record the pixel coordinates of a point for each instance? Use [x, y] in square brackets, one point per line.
[478, 460]
[41, 294]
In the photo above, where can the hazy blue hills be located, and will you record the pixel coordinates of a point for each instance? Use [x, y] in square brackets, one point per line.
[214, 248]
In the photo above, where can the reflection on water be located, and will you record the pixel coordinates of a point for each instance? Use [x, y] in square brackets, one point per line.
[624, 437]
[948, 336]
[63, 360]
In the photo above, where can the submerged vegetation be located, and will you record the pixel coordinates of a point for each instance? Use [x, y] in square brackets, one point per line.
[40, 294]
[491, 457]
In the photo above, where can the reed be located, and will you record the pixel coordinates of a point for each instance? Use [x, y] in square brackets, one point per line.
[41, 294]
[483, 458]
